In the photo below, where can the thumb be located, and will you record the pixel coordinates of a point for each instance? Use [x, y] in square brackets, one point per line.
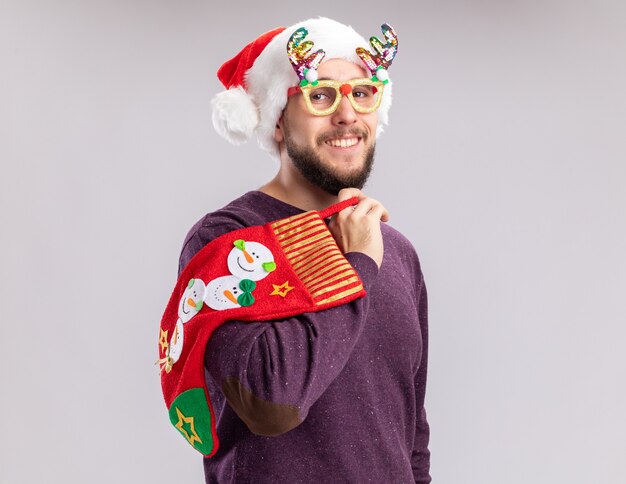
[346, 193]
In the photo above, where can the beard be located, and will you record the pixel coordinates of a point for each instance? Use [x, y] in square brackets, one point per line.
[310, 165]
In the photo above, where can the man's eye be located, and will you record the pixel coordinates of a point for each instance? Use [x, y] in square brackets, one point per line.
[361, 93]
[323, 95]
[318, 96]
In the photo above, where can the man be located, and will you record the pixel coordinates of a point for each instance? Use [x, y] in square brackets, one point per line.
[336, 395]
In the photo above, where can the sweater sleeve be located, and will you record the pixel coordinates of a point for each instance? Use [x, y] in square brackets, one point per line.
[420, 458]
[272, 372]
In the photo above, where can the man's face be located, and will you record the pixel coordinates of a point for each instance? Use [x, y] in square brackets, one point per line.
[334, 151]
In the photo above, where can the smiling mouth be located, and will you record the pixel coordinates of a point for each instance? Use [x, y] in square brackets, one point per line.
[243, 268]
[343, 142]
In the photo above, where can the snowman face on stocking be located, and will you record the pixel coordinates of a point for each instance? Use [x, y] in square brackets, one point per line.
[229, 292]
[176, 343]
[191, 301]
[250, 260]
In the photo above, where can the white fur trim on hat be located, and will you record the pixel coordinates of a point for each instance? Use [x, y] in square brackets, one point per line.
[271, 75]
[235, 115]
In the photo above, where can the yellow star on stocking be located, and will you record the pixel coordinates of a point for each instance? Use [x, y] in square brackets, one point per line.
[190, 433]
[281, 290]
[163, 340]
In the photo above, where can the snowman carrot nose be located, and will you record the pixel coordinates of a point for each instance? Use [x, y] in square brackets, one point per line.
[191, 302]
[230, 296]
[241, 245]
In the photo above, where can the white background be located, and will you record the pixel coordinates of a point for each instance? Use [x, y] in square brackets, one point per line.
[503, 163]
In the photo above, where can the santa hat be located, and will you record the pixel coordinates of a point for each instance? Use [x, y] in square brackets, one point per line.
[258, 77]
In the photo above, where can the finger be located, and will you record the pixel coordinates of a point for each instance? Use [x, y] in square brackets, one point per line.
[379, 213]
[364, 207]
[346, 193]
[384, 216]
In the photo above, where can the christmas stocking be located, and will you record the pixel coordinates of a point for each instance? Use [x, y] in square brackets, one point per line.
[275, 271]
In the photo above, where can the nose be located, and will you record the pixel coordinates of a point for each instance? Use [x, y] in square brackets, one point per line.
[230, 296]
[345, 115]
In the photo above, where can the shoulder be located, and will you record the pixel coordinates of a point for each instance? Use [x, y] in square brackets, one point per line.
[400, 254]
[398, 244]
[239, 213]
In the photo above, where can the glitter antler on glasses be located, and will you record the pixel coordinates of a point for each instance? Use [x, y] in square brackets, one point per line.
[379, 62]
[303, 63]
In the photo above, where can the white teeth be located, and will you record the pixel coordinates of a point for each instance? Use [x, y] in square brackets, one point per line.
[343, 143]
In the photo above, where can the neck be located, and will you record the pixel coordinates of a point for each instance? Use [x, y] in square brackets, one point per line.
[291, 187]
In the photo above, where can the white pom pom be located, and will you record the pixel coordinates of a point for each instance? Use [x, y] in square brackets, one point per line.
[311, 75]
[235, 116]
[382, 75]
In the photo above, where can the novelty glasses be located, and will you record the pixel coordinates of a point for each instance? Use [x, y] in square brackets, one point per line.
[324, 97]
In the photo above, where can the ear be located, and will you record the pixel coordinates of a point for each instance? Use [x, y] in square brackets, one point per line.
[279, 136]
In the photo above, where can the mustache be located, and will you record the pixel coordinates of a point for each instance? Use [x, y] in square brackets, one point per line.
[340, 133]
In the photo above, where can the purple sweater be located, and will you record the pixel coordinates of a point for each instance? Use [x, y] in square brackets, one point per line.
[333, 396]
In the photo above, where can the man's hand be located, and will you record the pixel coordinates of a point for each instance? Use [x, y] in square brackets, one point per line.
[357, 228]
